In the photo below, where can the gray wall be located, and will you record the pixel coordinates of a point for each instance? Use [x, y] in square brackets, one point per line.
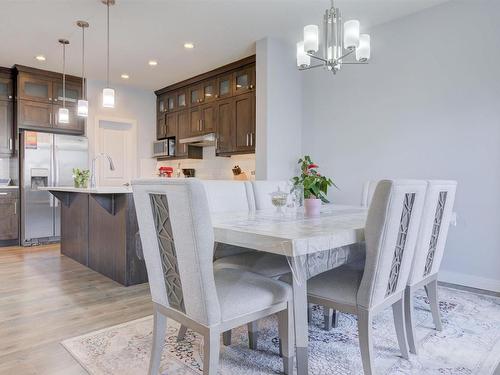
[427, 106]
[279, 110]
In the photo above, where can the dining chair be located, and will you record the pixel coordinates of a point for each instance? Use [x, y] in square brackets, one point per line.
[178, 240]
[390, 235]
[228, 256]
[429, 251]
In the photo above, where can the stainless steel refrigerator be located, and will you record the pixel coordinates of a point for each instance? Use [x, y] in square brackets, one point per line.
[46, 160]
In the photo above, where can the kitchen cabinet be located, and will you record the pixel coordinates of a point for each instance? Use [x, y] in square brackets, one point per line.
[221, 101]
[244, 80]
[6, 128]
[39, 97]
[183, 131]
[6, 87]
[244, 122]
[9, 217]
[34, 115]
[76, 124]
[225, 123]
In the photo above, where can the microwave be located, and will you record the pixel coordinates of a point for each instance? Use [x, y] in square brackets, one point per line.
[164, 147]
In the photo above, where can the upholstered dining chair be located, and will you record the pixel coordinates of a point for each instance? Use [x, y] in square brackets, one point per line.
[390, 236]
[222, 196]
[429, 250]
[178, 241]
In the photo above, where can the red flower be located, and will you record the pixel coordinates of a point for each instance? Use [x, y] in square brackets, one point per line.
[310, 166]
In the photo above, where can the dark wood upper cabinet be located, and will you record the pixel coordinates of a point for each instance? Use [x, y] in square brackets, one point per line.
[220, 101]
[244, 106]
[6, 87]
[224, 110]
[34, 115]
[183, 131]
[75, 124]
[225, 86]
[171, 124]
[244, 80]
[196, 95]
[35, 88]
[6, 128]
[73, 92]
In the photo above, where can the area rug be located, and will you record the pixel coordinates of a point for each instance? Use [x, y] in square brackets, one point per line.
[468, 344]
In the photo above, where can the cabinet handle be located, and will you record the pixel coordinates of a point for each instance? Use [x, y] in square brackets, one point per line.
[251, 87]
[247, 139]
[11, 144]
[50, 118]
[15, 208]
[50, 99]
[251, 139]
[216, 96]
[3, 193]
[10, 96]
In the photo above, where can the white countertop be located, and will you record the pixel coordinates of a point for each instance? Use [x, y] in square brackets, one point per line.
[9, 187]
[97, 190]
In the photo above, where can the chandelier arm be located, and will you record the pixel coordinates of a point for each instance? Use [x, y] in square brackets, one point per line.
[354, 63]
[317, 58]
[346, 54]
[312, 67]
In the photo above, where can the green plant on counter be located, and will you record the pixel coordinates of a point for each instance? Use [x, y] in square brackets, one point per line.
[315, 185]
[81, 178]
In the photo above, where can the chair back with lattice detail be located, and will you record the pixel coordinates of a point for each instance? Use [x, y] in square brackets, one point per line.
[178, 239]
[436, 216]
[390, 235]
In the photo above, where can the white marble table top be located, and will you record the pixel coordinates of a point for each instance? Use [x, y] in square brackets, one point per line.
[291, 234]
[97, 190]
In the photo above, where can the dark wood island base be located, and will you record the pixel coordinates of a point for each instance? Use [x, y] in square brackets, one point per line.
[100, 231]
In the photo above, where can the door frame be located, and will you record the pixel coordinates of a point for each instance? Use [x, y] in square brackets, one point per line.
[97, 141]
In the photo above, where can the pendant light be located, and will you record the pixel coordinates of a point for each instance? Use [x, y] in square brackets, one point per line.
[63, 113]
[83, 104]
[108, 94]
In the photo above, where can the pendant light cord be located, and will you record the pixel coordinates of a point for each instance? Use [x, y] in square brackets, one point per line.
[107, 72]
[64, 75]
[84, 94]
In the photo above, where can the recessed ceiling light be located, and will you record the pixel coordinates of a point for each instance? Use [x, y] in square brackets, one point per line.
[40, 57]
[125, 76]
[188, 45]
[153, 62]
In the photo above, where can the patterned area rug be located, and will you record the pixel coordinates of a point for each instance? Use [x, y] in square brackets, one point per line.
[468, 344]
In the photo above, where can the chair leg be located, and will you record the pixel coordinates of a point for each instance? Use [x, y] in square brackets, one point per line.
[432, 294]
[309, 312]
[182, 333]
[365, 340]
[327, 318]
[287, 338]
[211, 350]
[253, 334]
[159, 328]
[399, 322]
[410, 321]
[226, 338]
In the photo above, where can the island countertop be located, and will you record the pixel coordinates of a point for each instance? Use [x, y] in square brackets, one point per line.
[96, 190]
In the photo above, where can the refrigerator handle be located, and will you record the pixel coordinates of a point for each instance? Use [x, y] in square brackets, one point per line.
[55, 169]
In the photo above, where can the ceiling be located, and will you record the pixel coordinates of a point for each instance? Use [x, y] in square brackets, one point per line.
[222, 31]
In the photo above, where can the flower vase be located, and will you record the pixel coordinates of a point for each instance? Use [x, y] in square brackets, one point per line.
[312, 206]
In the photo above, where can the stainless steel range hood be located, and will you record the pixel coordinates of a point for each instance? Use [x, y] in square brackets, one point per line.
[200, 141]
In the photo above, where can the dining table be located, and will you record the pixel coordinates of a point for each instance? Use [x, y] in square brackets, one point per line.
[311, 245]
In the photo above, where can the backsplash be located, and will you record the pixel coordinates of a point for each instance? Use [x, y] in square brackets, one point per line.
[213, 167]
[8, 169]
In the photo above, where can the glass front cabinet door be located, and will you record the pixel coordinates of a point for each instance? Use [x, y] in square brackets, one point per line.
[35, 88]
[225, 86]
[244, 81]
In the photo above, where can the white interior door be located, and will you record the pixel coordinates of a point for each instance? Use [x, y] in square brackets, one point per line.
[118, 140]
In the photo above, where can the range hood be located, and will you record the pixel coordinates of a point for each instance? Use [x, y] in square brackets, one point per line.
[200, 141]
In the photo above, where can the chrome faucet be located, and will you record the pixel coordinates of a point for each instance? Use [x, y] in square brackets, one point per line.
[92, 170]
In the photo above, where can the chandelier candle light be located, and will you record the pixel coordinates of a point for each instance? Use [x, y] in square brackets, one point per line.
[108, 94]
[339, 42]
[83, 104]
[63, 113]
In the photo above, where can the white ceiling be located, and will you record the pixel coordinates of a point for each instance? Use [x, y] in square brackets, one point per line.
[222, 31]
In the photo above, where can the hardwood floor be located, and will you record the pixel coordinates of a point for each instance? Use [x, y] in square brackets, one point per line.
[46, 298]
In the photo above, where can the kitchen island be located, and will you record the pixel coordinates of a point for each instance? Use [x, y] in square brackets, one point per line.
[99, 230]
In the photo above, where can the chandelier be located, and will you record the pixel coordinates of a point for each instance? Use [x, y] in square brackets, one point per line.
[338, 42]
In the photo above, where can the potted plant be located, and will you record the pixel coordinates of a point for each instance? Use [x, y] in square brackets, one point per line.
[81, 178]
[315, 186]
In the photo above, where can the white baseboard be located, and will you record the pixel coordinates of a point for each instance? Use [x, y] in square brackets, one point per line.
[470, 281]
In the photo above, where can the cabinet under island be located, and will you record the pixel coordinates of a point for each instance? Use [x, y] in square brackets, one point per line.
[99, 230]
